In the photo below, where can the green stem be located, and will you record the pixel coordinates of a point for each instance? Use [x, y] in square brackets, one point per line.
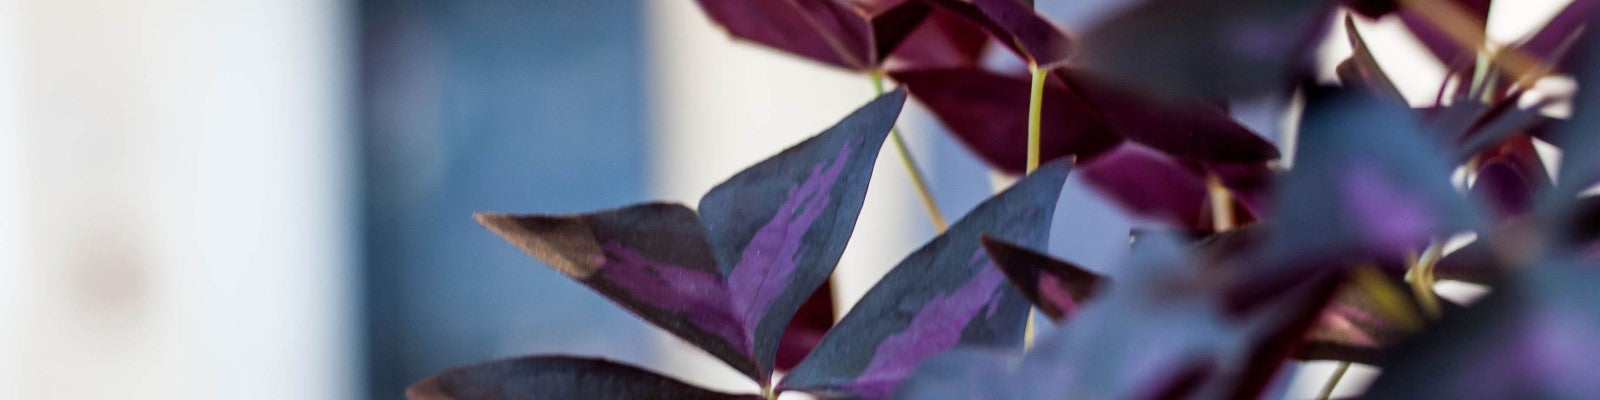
[1333, 381]
[910, 163]
[1035, 108]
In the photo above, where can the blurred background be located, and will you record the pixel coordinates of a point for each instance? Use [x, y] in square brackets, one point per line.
[272, 198]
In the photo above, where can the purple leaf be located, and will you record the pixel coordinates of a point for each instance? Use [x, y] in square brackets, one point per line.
[1163, 329]
[1510, 178]
[779, 227]
[988, 113]
[770, 236]
[1362, 69]
[943, 40]
[1185, 127]
[652, 259]
[1361, 191]
[947, 293]
[806, 329]
[1355, 328]
[1150, 185]
[1580, 163]
[1016, 26]
[1549, 42]
[827, 31]
[1536, 336]
[557, 378]
[1207, 49]
[1057, 287]
[1438, 42]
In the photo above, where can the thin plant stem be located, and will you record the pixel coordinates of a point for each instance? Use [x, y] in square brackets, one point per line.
[917, 180]
[1422, 279]
[1035, 108]
[1333, 381]
[1222, 218]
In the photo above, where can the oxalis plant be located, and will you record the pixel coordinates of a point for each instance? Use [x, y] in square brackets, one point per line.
[1330, 245]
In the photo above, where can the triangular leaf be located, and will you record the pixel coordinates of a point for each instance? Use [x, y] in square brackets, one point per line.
[557, 378]
[1367, 182]
[772, 234]
[652, 259]
[945, 294]
[827, 31]
[1362, 68]
[1015, 25]
[1057, 287]
[1207, 49]
[779, 227]
[1185, 127]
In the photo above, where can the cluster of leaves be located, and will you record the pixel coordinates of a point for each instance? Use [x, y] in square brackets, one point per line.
[1259, 263]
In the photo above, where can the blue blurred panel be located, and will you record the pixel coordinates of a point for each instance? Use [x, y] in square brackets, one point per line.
[491, 105]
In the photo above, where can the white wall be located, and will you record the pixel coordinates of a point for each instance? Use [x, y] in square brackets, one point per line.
[183, 179]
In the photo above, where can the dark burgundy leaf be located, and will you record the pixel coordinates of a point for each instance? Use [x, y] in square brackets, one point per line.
[1151, 185]
[1475, 263]
[1372, 8]
[943, 40]
[779, 227]
[1186, 127]
[1367, 182]
[947, 293]
[1057, 287]
[557, 378]
[988, 112]
[1510, 178]
[770, 236]
[1535, 337]
[1362, 69]
[807, 327]
[1209, 49]
[828, 31]
[652, 259]
[1437, 41]
[1549, 42]
[1016, 26]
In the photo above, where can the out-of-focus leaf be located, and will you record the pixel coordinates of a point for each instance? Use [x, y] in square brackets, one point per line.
[1150, 185]
[1362, 69]
[557, 378]
[806, 329]
[779, 227]
[770, 236]
[1579, 138]
[1551, 43]
[1535, 337]
[1372, 8]
[1209, 49]
[1163, 329]
[1475, 263]
[943, 40]
[1355, 326]
[1367, 183]
[1016, 26]
[1510, 178]
[1437, 41]
[947, 293]
[827, 31]
[1185, 127]
[1057, 287]
[988, 112]
[652, 259]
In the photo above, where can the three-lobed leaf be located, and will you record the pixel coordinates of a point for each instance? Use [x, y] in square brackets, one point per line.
[729, 278]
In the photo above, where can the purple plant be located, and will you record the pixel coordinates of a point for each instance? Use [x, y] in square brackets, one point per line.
[1256, 263]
